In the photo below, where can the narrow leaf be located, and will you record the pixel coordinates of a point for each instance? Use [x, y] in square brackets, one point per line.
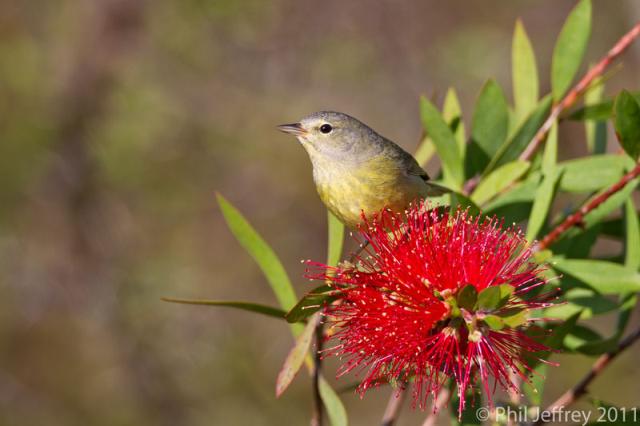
[614, 202]
[467, 297]
[452, 114]
[632, 236]
[542, 204]
[591, 173]
[583, 300]
[525, 73]
[535, 390]
[296, 357]
[335, 409]
[513, 147]
[246, 306]
[311, 303]
[425, 151]
[570, 48]
[261, 253]
[489, 298]
[444, 142]
[627, 123]
[550, 155]
[335, 238]
[494, 322]
[499, 180]
[595, 131]
[595, 108]
[604, 277]
[490, 120]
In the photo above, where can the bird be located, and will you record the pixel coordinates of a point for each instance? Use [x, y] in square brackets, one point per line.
[358, 172]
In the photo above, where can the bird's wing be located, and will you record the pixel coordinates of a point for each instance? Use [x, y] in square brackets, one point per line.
[413, 168]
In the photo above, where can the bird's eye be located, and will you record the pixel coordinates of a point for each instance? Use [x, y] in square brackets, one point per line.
[326, 128]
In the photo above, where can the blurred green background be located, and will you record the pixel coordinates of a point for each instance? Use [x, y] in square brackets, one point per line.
[119, 119]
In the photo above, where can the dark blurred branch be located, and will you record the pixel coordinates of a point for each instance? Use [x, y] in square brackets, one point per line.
[441, 401]
[578, 90]
[394, 405]
[318, 406]
[581, 388]
[577, 218]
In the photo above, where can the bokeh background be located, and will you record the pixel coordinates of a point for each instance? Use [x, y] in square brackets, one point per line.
[120, 119]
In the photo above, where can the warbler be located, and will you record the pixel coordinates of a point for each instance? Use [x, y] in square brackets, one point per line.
[356, 170]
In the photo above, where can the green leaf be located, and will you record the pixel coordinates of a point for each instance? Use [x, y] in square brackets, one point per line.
[595, 132]
[550, 155]
[604, 277]
[600, 111]
[595, 108]
[542, 204]
[296, 356]
[458, 200]
[445, 143]
[627, 123]
[536, 389]
[489, 298]
[525, 73]
[570, 48]
[520, 193]
[246, 306]
[591, 173]
[582, 300]
[627, 306]
[494, 297]
[513, 147]
[632, 236]
[467, 297]
[452, 113]
[499, 180]
[490, 121]
[556, 337]
[494, 322]
[514, 319]
[425, 151]
[261, 253]
[335, 409]
[336, 239]
[469, 416]
[614, 202]
[311, 303]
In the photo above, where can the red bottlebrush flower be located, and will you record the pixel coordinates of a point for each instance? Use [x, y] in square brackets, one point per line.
[437, 296]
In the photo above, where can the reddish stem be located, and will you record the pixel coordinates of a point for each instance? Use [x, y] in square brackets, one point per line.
[578, 217]
[575, 93]
[570, 396]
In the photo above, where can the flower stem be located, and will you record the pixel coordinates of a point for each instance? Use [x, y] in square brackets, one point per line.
[573, 394]
[579, 89]
[578, 217]
[394, 405]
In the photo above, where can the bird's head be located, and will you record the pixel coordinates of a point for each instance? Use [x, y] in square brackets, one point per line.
[334, 134]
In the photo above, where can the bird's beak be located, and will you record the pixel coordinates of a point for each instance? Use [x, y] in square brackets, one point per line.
[295, 129]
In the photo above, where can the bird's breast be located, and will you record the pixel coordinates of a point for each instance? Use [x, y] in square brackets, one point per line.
[368, 187]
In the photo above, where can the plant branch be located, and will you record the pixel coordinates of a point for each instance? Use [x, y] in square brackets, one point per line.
[394, 405]
[579, 89]
[318, 405]
[578, 217]
[573, 394]
[439, 403]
